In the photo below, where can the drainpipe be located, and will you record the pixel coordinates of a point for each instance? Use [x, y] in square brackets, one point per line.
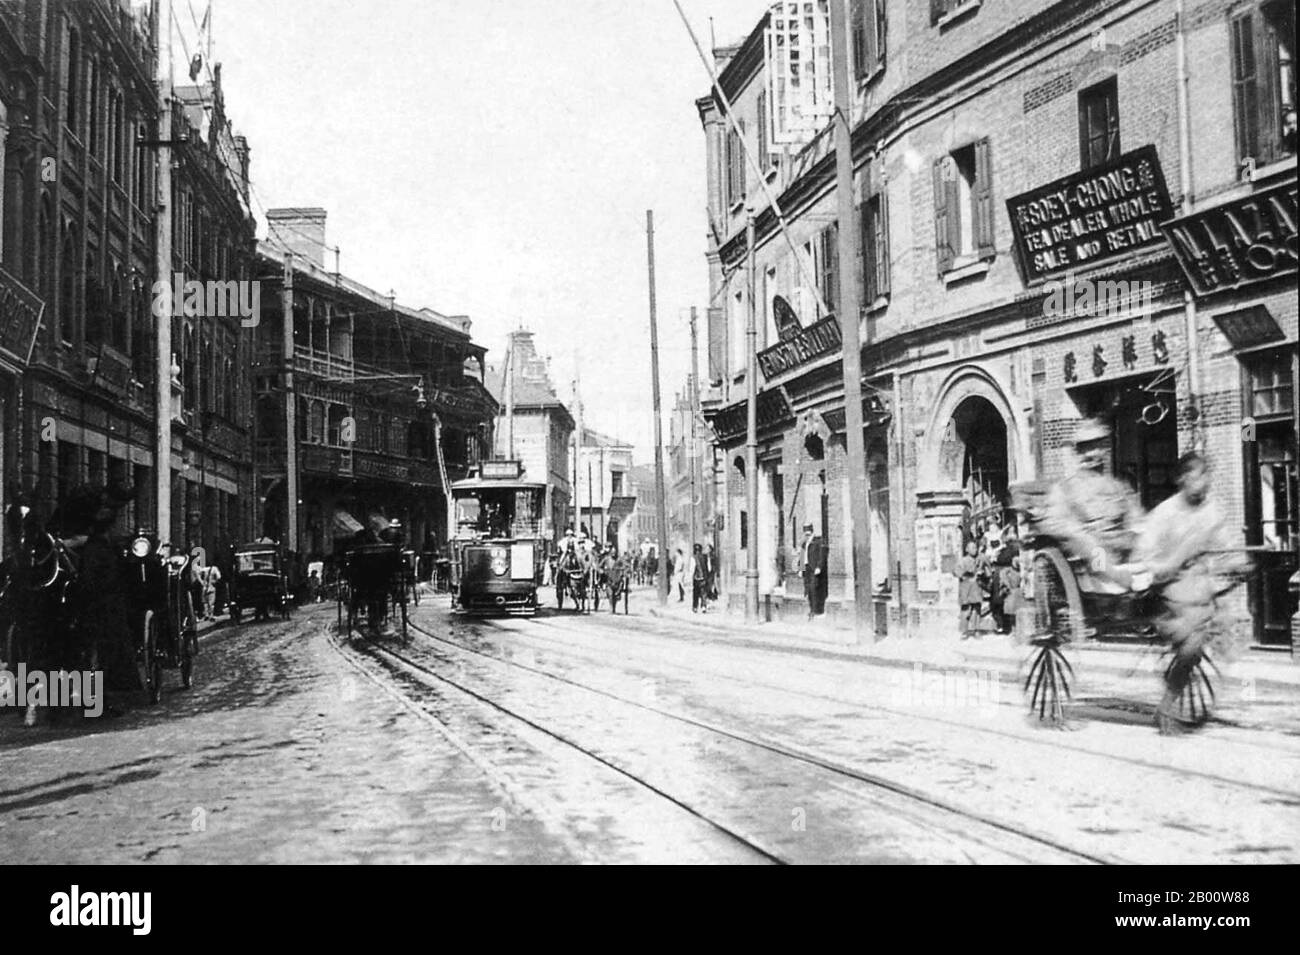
[1185, 184]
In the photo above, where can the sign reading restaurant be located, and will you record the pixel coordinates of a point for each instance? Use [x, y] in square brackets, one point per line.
[818, 339]
[1238, 243]
[1091, 216]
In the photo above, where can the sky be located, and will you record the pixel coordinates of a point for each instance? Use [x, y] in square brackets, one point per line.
[495, 158]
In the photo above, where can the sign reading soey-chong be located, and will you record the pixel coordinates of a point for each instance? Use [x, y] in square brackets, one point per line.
[1091, 216]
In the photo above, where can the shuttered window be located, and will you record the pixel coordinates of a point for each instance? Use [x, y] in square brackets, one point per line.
[735, 165]
[828, 266]
[867, 25]
[764, 160]
[1262, 43]
[963, 205]
[717, 320]
[1099, 124]
[875, 245]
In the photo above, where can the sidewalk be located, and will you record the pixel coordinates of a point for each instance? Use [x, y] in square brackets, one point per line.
[820, 637]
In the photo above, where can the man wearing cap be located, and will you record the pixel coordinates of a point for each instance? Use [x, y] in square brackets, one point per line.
[812, 561]
[1095, 516]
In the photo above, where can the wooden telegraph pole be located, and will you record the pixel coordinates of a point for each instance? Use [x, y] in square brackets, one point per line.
[751, 424]
[658, 428]
[163, 228]
[851, 361]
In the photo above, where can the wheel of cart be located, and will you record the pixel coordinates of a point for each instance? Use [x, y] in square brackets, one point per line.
[1058, 611]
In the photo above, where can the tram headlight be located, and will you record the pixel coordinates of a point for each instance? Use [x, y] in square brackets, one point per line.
[499, 564]
[140, 547]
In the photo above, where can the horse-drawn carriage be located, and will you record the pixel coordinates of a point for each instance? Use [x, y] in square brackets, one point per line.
[1109, 597]
[583, 576]
[376, 588]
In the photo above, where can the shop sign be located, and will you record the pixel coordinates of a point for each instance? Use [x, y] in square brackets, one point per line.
[772, 410]
[1091, 216]
[20, 318]
[821, 338]
[1244, 242]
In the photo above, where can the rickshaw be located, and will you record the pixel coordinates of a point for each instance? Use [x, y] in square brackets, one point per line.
[1074, 602]
[258, 583]
[377, 586]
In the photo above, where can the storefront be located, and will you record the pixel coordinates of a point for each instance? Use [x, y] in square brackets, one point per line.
[1239, 260]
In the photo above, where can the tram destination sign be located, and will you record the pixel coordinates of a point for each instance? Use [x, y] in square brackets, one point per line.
[1091, 216]
[818, 339]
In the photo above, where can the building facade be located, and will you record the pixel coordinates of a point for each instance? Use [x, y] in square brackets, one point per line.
[604, 487]
[1050, 230]
[386, 404]
[79, 195]
[533, 426]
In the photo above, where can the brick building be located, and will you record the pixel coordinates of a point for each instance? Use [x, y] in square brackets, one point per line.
[389, 402]
[1020, 169]
[78, 208]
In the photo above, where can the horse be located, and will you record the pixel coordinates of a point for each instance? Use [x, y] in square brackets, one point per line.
[572, 576]
[615, 575]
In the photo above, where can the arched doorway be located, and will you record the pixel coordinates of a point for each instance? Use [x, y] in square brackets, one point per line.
[973, 456]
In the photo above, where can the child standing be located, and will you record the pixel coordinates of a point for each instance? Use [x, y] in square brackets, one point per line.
[969, 594]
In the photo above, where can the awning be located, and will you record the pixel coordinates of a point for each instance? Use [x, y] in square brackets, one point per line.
[345, 525]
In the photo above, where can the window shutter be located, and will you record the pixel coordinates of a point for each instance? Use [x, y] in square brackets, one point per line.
[872, 47]
[764, 161]
[882, 251]
[1245, 95]
[880, 29]
[942, 225]
[866, 253]
[983, 200]
[858, 31]
[717, 320]
[1267, 93]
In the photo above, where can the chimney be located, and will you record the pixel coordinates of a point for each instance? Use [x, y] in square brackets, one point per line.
[301, 231]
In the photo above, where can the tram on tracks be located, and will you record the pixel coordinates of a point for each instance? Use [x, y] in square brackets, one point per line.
[502, 540]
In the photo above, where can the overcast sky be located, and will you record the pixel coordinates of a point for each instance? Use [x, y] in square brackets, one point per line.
[494, 158]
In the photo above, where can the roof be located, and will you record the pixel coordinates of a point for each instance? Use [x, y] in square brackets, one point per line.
[592, 438]
[529, 373]
[476, 483]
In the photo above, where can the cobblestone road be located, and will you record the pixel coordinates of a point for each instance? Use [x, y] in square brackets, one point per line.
[602, 739]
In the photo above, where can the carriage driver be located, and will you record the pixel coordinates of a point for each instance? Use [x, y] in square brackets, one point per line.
[1094, 515]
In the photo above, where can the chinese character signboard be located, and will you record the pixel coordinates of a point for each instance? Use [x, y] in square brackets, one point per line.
[1091, 216]
[1238, 243]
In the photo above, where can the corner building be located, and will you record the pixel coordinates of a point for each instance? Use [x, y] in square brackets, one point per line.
[1049, 232]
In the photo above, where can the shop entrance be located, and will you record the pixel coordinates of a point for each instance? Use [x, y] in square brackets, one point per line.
[974, 455]
[1144, 428]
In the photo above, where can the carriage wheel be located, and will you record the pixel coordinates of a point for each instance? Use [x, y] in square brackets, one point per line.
[1050, 673]
[144, 654]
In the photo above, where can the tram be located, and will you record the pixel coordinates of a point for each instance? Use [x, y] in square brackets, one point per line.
[502, 540]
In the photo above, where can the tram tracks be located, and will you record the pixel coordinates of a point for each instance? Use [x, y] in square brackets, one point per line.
[1038, 737]
[959, 825]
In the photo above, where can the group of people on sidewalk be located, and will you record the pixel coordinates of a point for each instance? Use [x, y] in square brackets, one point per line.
[700, 567]
[988, 577]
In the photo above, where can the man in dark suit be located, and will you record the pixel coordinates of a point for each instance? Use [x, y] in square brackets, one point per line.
[813, 564]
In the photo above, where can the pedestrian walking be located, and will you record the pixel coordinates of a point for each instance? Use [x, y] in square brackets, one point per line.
[699, 578]
[209, 577]
[679, 573]
[813, 566]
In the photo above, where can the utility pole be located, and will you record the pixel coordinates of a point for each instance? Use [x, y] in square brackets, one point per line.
[658, 426]
[694, 398]
[851, 360]
[577, 445]
[290, 409]
[751, 423]
[163, 228]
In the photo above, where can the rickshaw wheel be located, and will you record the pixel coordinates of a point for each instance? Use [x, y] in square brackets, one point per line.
[1050, 673]
[1052, 612]
[1193, 690]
